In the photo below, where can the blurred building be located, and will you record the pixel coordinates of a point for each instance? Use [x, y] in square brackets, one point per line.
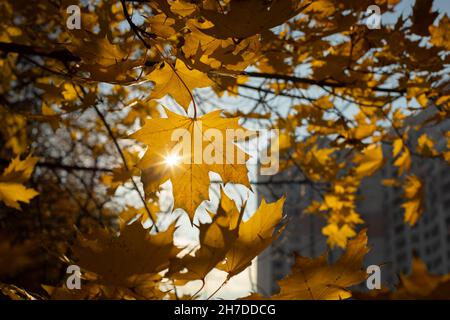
[393, 242]
[302, 234]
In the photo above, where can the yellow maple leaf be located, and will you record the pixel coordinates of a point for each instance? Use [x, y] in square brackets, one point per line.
[177, 81]
[135, 252]
[180, 149]
[338, 236]
[216, 238]
[255, 234]
[315, 279]
[397, 146]
[414, 206]
[369, 161]
[12, 189]
[425, 146]
[403, 162]
[93, 49]
[420, 284]
[182, 8]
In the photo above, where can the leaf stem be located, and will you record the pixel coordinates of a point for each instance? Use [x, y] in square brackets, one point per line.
[217, 290]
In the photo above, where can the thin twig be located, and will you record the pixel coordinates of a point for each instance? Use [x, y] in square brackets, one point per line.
[124, 160]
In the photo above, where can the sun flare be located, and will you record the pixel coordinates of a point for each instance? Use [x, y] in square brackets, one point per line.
[172, 160]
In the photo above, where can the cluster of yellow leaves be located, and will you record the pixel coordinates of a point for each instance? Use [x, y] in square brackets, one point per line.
[340, 203]
[134, 264]
[185, 45]
[425, 146]
[13, 129]
[318, 164]
[316, 279]
[402, 156]
[12, 188]
[229, 243]
[414, 194]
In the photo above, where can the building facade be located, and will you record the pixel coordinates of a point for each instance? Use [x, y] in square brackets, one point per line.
[393, 241]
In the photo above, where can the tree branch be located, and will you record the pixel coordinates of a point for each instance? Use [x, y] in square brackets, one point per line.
[124, 160]
[62, 55]
[53, 165]
[321, 83]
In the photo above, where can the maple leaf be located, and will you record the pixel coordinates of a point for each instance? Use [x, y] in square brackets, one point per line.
[369, 161]
[117, 259]
[420, 284]
[250, 17]
[338, 236]
[12, 189]
[403, 162]
[143, 287]
[414, 193]
[178, 81]
[208, 53]
[161, 25]
[440, 35]
[255, 234]
[216, 238]
[190, 180]
[94, 49]
[315, 279]
[101, 59]
[182, 8]
[425, 146]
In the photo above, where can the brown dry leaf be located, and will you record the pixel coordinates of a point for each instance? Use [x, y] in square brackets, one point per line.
[250, 17]
[93, 49]
[117, 259]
